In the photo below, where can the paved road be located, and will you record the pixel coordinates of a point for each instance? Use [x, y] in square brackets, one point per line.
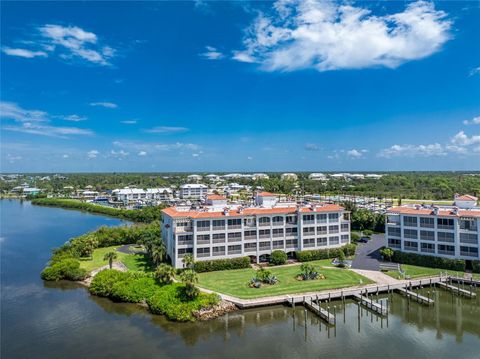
[368, 254]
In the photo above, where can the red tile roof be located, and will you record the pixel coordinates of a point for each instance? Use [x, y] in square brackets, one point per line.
[172, 211]
[216, 197]
[429, 211]
[466, 197]
[266, 194]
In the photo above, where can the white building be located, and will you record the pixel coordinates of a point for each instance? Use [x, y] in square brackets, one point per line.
[289, 176]
[317, 177]
[212, 177]
[445, 231]
[193, 191]
[465, 201]
[136, 194]
[209, 233]
[194, 178]
[257, 176]
[373, 176]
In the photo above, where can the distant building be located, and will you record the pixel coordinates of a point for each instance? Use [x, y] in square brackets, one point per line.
[317, 177]
[135, 194]
[443, 231]
[31, 191]
[373, 176]
[257, 176]
[194, 178]
[212, 177]
[233, 231]
[289, 176]
[193, 191]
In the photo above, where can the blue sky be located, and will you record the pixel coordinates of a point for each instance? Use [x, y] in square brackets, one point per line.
[240, 86]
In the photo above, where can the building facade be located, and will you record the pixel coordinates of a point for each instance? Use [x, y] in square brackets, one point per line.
[127, 195]
[211, 233]
[193, 191]
[445, 231]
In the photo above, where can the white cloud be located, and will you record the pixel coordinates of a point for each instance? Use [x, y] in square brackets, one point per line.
[13, 158]
[104, 104]
[92, 154]
[195, 154]
[129, 122]
[152, 147]
[356, 153]
[413, 151]
[311, 147]
[212, 53]
[249, 158]
[324, 36]
[65, 156]
[119, 154]
[166, 129]
[142, 153]
[68, 42]
[461, 139]
[47, 130]
[475, 71]
[473, 121]
[12, 111]
[29, 54]
[73, 118]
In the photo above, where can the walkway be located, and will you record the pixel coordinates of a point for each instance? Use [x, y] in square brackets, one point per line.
[368, 254]
[376, 276]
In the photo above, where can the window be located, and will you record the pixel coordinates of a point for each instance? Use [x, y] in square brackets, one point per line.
[218, 224]
[219, 238]
[410, 221]
[394, 243]
[264, 246]
[250, 247]
[410, 246]
[446, 249]
[322, 241]
[333, 217]
[308, 218]
[218, 251]
[426, 222]
[292, 243]
[334, 240]
[309, 242]
[235, 223]
[277, 221]
[264, 221]
[468, 238]
[203, 252]
[427, 247]
[236, 249]
[278, 232]
[309, 231]
[468, 225]
[410, 233]
[445, 223]
[183, 251]
[185, 239]
[427, 235]
[468, 251]
[393, 231]
[278, 244]
[332, 229]
[291, 219]
[182, 224]
[235, 237]
[322, 230]
[264, 233]
[291, 231]
[345, 227]
[345, 238]
[322, 218]
[203, 239]
[203, 225]
[445, 237]
[250, 234]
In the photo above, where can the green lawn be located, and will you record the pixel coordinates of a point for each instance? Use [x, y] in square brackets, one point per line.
[135, 262]
[418, 272]
[235, 282]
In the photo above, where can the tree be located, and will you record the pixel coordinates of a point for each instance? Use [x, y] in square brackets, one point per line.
[189, 278]
[387, 253]
[278, 257]
[110, 256]
[159, 253]
[164, 273]
[188, 261]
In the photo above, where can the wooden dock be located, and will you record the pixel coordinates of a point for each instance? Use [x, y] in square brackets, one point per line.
[322, 313]
[457, 290]
[370, 304]
[415, 296]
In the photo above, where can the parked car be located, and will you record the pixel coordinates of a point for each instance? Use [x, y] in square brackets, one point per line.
[364, 239]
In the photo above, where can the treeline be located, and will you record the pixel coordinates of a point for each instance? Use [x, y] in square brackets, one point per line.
[362, 219]
[145, 215]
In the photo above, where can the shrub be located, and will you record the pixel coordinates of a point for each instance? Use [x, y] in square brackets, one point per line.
[308, 272]
[367, 232]
[133, 290]
[278, 257]
[222, 264]
[354, 237]
[164, 274]
[316, 254]
[476, 266]
[171, 301]
[102, 284]
[67, 268]
[428, 261]
[386, 253]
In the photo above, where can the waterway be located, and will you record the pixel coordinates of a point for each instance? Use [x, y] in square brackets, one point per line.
[61, 320]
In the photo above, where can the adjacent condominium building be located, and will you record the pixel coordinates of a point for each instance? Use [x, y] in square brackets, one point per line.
[218, 230]
[136, 194]
[446, 231]
[193, 191]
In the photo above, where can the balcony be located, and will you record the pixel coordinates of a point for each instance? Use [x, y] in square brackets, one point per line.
[203, 242]
[220, 253]
[236, 251]
[277, 223]
[203, 255]
[264, 224]
[267, 236]
[427, 250]
[235, 239]
[309, 222]
[218, 228]
[448, 253]
[234, 226]
[443, 226]
[203, 229]
[468, 254]
[219, 240]
[250, 250]
[183, 229]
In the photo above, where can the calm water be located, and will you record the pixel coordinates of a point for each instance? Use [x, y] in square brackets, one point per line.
[61, 320]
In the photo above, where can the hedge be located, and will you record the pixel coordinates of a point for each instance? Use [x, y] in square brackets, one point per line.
[476, 266]
[428, 261]
[222, 264]
[316, 254]
[278, 258]
[67, 268]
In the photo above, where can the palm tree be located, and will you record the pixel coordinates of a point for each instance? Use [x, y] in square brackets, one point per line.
[189, 278]
[165, 273]
[188, 260]
[110, 256]
[159, 252]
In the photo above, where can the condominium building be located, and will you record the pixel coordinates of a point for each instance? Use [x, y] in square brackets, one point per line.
[135, 194]
[445, 231]
[212, 232]
[193, 191]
